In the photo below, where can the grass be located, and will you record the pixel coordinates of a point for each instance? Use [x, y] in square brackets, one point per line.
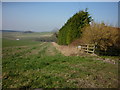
[9, 38]
[12, 43]
[42, 66]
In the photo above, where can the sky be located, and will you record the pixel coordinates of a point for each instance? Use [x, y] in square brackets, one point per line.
[46, 16]
[0, 16]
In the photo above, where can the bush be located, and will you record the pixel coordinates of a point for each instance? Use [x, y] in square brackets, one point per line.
[105, 37]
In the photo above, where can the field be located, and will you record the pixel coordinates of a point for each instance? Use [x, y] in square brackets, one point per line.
[28, 63]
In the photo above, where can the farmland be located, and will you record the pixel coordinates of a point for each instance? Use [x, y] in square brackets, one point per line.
[28, 63]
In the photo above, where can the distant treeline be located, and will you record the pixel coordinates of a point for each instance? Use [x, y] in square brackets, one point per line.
[16, 31]
[52, 38]
[10, 31]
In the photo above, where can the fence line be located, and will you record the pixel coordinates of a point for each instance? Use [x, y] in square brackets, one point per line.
[88, 48]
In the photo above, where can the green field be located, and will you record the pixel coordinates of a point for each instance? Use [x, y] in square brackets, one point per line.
[21, 35]
[33, 64]
[13, 43]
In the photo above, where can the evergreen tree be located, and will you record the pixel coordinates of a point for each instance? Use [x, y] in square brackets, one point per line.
[72, 29]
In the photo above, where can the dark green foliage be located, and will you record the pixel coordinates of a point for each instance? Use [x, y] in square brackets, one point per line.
[72, 29]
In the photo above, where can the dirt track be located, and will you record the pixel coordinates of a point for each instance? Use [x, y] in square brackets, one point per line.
[66, 50]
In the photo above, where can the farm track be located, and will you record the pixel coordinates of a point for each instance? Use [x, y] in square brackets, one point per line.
[35, 50]
[21, 50]
[29, 51]
[65, 50]
[51, 50]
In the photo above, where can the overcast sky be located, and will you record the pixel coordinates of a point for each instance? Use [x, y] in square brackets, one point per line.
[45, 16]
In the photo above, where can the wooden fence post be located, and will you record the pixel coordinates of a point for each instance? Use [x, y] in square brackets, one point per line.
[88, 48]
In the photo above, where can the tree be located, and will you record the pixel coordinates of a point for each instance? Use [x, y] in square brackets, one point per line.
[73, 28]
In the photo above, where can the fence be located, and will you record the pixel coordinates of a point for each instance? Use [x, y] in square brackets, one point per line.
[88, 48]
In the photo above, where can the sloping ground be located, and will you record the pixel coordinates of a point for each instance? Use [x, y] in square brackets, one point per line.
[73, 51]
[43, 66]
[66, 50]
[70, 50]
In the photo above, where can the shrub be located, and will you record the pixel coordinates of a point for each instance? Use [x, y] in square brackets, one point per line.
[105, 37]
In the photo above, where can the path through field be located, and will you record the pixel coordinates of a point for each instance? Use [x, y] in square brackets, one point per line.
[43, 66]
[66, 50]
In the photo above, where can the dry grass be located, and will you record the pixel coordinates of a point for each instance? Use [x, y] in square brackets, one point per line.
[66, 50]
